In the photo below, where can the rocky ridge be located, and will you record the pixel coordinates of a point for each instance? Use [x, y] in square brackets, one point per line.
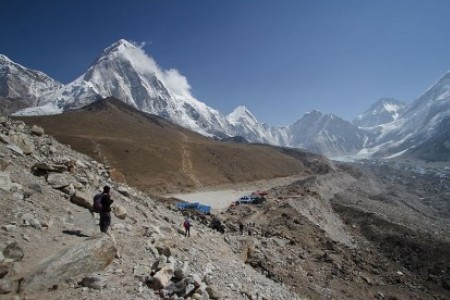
[46, 225]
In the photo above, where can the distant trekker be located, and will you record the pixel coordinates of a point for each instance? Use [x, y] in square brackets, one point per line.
[105, 211]
[187, 227]
[241, 228]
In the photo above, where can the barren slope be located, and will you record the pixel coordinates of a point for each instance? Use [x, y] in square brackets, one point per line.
[158, 156]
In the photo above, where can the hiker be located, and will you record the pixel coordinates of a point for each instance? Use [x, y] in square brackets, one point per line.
[187, 227]
[241, 228]
[105, 210]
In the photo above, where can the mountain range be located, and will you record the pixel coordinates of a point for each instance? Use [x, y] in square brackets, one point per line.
[389, 128]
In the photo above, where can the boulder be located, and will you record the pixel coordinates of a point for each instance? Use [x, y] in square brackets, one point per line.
[120, 212]
[28, 219]
[164, 250]
[23, 142]
[92, 255]
[49, 167]
[4, 139]
[5, 181]
[13, 251]
[181, 270]
[36, 130]
[94, 281]
[6, 286]
[4, 164]
[82, 199]
[15, 149]
[124, 191]
[59, 181]
[5, 268]
[162, 278]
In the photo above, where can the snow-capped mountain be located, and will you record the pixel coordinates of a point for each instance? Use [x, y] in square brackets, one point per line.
[419, 123]
[18, 82]
[245, 124]
[383, 111]
[326, 134]
[125, 71]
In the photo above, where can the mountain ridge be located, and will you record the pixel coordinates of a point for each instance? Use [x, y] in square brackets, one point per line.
[123, 70]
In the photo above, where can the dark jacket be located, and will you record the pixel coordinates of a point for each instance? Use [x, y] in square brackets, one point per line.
[106, 203]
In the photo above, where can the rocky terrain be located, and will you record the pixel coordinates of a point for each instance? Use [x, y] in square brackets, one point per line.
[362, 231]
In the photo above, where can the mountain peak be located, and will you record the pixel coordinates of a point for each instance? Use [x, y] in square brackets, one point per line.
[385, 110]
[119, 46]
[4, 58]
[239, 114]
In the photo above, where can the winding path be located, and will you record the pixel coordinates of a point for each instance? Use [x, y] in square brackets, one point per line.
[186, 163]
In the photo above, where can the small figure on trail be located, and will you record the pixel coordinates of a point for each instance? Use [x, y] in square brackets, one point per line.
[241, 228]
[187, 227]
[105, 209]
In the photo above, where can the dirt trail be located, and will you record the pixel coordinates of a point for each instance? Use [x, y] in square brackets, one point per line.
[186, 163]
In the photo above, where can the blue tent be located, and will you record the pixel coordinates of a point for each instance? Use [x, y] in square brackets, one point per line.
[197, 206]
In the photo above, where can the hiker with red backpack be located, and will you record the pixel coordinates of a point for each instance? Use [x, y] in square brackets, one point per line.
[102, 205]
[187, 227]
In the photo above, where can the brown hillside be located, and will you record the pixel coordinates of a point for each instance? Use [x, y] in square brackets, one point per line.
[158, 156]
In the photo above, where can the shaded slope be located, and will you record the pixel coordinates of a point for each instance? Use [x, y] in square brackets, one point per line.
[156, 155]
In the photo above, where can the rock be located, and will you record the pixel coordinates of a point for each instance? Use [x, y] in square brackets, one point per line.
[48, 167]
[23, 142]
[80, 164]
[6, 286]
[9, 227]
[181, 270]
[379, 296]
[124, 191]
[164, 250]
[13, 251]
[93, 255]
[163, 276]
[212, 293]
[141, 271]
[82, 199]
[94, 281]
[81, 179]
[5, 181]
[3, 120]
[2, 257]
[120, 212]
[61, 180]
[4, 164]
[118, 227]
[28, 219]
[5, 268]
[166, 230]
[153, 251]
[4, 139]
[15, 149]
[69, 190]
[36, 130]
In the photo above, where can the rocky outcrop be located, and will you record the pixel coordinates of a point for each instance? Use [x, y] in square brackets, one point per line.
[93, 255]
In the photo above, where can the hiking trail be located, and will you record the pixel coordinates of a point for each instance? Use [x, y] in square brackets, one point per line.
[186, 163]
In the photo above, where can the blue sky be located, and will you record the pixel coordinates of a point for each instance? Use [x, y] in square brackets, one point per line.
[279, 58]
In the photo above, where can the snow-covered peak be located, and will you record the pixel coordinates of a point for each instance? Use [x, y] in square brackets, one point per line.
[240, 114]
[120, 45]
[385, 110]
[4, 59]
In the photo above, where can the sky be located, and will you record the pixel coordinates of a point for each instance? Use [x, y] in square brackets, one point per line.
[279, 58]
